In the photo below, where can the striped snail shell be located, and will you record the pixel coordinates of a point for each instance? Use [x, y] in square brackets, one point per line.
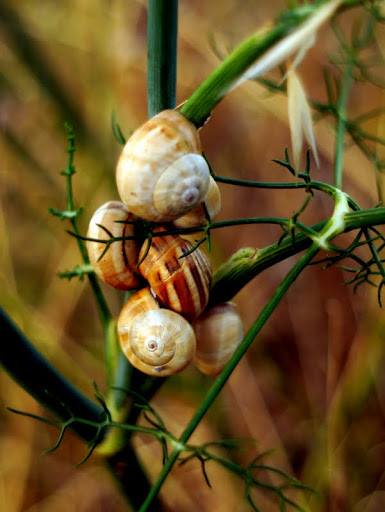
[180, 284]
[156, 341]
[161, 174]
[218, 333]
[197, 216]
[117, 266]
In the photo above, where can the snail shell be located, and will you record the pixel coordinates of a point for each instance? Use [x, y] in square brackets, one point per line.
[180, 284]
[156, 341]
[161, 174]
[218, 333]
[197, 216]
[117, 266]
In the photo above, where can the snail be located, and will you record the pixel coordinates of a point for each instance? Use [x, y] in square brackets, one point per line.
[197, 216]
[179, 283]
[117, 267]
[156, 341]
[161, 173]
[218, 333]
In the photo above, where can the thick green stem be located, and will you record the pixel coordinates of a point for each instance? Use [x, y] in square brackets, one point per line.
[248, 262]
[229, 73]
[203, 101]
[222, 379]
[161, 93]
[162, 28]
[162, 32]
[41, 380]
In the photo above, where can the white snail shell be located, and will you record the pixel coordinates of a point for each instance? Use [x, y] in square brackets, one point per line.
[180, 284]
[156, 341]
[197, 216]
[117, 267]
[218, 333]
[161, 174]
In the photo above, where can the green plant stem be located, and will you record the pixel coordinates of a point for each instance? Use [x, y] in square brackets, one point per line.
[222, 378]
[248, 262]
[204, 99]
[162, 33]
[332, 227]
[330, 190]
[108, 323]
[33, 372]
[202, 102]
[162, 27]
[341, 121]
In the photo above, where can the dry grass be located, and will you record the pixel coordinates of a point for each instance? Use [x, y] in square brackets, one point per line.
[311, 387]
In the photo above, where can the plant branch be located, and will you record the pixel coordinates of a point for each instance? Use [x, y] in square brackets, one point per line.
[33, 372]
[71, 214]
[248, 262]
[222, 378]
[332, 227]
[340, 113]
[162, 27]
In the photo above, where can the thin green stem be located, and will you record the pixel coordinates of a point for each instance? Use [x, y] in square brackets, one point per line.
[108, 323]
[331, 228]
[222, 378]
[330, 190]
[341, 123]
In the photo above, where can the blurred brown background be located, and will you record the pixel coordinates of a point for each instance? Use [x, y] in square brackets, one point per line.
[312, 386]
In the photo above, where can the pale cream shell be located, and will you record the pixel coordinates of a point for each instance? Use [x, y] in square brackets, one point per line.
[197, 216]
[117, 267]
[159, 343]
[141, 301]
[163, 141]
[218, 333]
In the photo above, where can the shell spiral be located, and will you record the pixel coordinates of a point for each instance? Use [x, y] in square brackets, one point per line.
[197, 216]
[161, 174]
[156, 341]
[179, 283]
[117, 267]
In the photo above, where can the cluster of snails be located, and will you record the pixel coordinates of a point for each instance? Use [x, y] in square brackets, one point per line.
[162, 177]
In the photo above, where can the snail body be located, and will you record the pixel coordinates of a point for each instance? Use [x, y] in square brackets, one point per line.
[218, 333]
[161, 174]
[117, 266]
[179, 283]
[156, 341]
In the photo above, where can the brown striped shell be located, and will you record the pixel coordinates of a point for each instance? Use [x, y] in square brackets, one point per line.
[180, 284]
[117, 267]
[161, 174]
[156, 341]
[218, 333]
